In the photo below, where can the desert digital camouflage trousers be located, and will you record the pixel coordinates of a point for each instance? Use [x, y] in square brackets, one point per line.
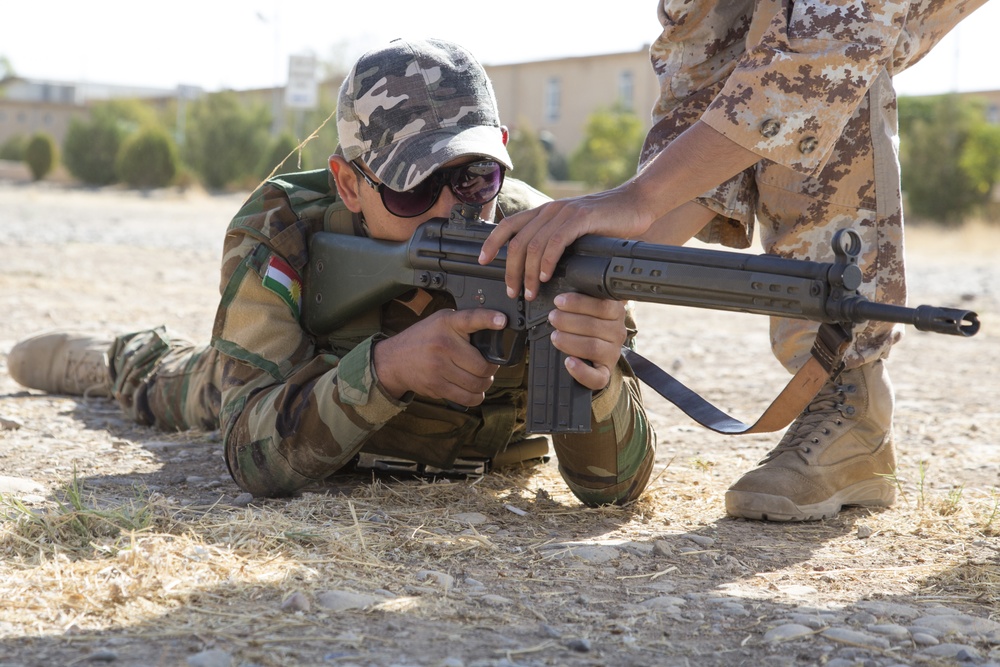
[797, 214]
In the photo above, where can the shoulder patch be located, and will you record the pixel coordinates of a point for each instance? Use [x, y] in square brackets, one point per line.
[283, 280]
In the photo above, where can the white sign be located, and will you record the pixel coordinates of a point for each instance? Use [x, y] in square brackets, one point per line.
[302, 90]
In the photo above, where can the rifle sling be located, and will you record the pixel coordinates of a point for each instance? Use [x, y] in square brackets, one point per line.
[828, 350]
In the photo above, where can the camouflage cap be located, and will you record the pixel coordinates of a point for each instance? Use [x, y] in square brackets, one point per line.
[412, 106]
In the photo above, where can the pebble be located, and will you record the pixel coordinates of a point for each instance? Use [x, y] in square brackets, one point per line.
[472, 518]
[958, 652]
[211, 658]
[445, 581]
[297, 601]
[855, 637]
[787, 632]
[344, 600]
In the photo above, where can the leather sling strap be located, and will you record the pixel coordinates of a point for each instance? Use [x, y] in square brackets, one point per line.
[827, 352]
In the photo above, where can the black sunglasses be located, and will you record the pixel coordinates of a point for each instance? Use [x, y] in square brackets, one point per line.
[473, 183]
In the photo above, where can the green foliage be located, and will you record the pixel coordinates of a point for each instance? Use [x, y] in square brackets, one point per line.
[950, 157]
[531, 160]
[225, 141]
[13, 148]
[609, 154]
[41, 156]
[281, 157]
[148, 159]
[91, 146]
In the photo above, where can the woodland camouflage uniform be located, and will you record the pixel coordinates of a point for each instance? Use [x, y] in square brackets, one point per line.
[295, 410]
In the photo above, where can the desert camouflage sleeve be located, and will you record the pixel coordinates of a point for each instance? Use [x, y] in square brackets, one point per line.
[792, 92]
[291, 415]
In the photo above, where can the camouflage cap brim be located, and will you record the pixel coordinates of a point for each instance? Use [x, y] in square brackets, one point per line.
[405, 164]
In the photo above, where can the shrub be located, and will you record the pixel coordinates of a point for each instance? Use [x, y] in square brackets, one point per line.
[13, 148]
[225, 140]
[40, 154]
[280, 157]
[148, 159]
[91, 147]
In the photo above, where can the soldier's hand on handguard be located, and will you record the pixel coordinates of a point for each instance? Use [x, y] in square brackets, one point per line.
[537, 238]
[589, 330]
[434, 357]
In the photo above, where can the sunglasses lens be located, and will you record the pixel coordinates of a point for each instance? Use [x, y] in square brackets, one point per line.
[411, 203]
[475, 183]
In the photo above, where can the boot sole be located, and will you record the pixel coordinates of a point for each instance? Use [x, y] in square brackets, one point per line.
[766, 507]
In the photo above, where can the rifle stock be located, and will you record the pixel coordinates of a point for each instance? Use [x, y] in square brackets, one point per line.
[349, 275]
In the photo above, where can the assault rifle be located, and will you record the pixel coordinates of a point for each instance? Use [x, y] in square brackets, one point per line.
[349, 275]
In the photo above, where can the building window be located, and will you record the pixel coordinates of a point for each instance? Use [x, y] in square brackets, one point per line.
[626, 90]
[993, 114]
[553, 99]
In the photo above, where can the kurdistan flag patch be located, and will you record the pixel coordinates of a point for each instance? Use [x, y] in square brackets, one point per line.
[284, 281]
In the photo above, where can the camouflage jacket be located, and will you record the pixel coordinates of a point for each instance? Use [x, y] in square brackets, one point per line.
[296, 409]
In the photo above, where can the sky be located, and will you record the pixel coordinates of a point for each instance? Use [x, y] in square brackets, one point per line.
[217, 44]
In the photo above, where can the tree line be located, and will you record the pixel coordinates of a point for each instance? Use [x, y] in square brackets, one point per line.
[949, 150]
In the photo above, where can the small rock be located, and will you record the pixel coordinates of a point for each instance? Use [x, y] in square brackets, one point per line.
[472, 518]
[958, 652]
[242, 500]
[787, 632]
[864, 532]
[445, 581]
[9, 424]
[297, 601]
[102, 655]
[495, 601]
[700, 540]
[890, 630]
[855, 638]
[924, 639]
[662, 548]
[344, 600]
[211, 658]
[579, 645]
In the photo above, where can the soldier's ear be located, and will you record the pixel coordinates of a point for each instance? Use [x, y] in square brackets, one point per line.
[347, 182]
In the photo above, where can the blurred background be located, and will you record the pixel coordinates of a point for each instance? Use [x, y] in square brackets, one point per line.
[219, 95]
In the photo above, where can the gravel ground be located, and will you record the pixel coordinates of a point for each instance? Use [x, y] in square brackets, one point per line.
[671, 581]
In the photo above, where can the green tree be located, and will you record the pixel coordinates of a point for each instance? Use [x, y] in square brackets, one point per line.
[949, 156]
[225, 141]
[41, 155]
[609, 154]
[148, 158]
[281, 157]
[90, 148]
[531, 160]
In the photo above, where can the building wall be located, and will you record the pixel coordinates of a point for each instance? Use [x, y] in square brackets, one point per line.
[525, 93]
[26, 118]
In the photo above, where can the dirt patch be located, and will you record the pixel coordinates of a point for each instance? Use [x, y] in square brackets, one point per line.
[125, 545]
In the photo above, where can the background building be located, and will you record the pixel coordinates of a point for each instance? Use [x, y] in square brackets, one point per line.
[554, 98]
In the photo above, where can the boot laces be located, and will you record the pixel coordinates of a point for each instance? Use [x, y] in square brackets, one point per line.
[826, 411]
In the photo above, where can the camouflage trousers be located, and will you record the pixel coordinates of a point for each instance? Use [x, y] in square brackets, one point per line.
[163, 380]
[797, 215]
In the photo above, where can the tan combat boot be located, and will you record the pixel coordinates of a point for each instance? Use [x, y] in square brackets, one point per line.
[62, 363]
[834, 454]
